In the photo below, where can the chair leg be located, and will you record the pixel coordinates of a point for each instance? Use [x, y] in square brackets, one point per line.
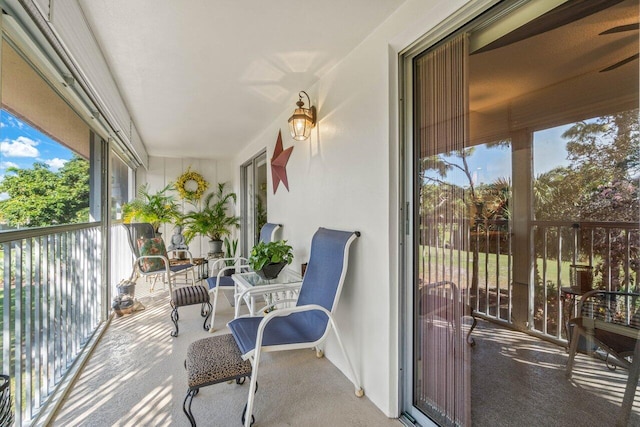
[354, 377]
[153, 284]
[175, 317]
[208, 313]
[186, 408]
[573, 348]
[244, 411]
[213, 310]
[470, 340]
[253, 388]
[630, 389]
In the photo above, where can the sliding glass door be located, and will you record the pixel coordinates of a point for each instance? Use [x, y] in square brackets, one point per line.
[254, 200]
[522, 181]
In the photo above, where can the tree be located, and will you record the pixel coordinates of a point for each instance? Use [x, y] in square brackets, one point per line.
[447, 203]
[39, 197]
[601, 184]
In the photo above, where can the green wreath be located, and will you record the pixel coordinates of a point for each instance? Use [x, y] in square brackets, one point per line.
[184, 180]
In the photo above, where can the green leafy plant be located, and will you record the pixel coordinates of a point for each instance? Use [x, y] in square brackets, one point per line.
[212, 219]
[155, 208]
[230, 249]
[272, 252]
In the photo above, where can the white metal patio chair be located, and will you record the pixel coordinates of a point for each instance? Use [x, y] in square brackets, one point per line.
[610, 320]
[152, 259]
[239, 264]
[141, 237]
[308, 324]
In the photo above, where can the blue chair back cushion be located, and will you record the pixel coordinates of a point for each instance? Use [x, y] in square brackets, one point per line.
[267, 231]
[319, 286]
[326, 262]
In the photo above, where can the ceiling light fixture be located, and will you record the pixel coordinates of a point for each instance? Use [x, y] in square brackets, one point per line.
[303, 119]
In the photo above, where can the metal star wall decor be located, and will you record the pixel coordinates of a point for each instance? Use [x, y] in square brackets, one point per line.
[279, 164]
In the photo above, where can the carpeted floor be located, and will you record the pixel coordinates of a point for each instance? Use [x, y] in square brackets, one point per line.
[136, 377]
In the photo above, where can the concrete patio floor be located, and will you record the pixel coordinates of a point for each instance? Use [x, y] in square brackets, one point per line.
[136, 377]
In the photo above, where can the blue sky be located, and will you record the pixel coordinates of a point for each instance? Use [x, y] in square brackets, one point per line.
[21, 145]
[488, 164]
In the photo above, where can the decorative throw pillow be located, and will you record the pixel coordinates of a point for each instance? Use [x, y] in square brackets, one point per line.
[153, 246]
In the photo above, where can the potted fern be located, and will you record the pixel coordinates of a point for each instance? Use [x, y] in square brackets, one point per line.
[212, 219]
[268, 259]
[155, 208]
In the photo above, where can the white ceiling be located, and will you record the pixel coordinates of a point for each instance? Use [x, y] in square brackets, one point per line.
[204, 78]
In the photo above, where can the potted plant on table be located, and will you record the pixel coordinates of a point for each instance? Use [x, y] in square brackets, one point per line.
[212, 219]
[268, 259]
[155, 208]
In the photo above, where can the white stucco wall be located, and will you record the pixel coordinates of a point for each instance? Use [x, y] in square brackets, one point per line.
[346, 177]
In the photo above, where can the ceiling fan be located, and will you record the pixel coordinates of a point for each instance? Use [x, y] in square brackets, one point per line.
[564, 14]
[620, 29]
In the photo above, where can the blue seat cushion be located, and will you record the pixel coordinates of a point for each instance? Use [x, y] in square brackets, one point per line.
[180, 267]
[224, 281]
[302, 327]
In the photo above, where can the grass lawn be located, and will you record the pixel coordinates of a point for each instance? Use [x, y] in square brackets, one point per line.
[493, 268]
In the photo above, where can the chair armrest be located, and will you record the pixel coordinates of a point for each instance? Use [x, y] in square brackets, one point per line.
[620, 308]
[163, 258]
[234, 259]
[231, 267]
[286, 312]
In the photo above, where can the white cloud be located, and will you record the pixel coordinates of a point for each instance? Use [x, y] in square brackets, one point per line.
[56, 163]
[4, 165]
[19, 147]
[4, 196]
[14, 123]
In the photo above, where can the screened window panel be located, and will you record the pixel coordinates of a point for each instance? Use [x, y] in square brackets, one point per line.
[441, 361]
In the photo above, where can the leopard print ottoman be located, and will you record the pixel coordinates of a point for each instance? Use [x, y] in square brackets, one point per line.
[211, 361]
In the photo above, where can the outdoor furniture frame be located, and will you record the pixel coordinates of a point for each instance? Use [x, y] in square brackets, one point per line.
[307, 325]
[239, 264]
[143, 230]
[180, 296]
[611, 321]
[443, 300]
[211, 361]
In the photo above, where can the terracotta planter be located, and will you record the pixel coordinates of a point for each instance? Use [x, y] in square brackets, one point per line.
[271, 271]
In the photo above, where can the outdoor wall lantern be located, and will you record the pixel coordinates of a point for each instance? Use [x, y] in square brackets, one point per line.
[303, 119]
